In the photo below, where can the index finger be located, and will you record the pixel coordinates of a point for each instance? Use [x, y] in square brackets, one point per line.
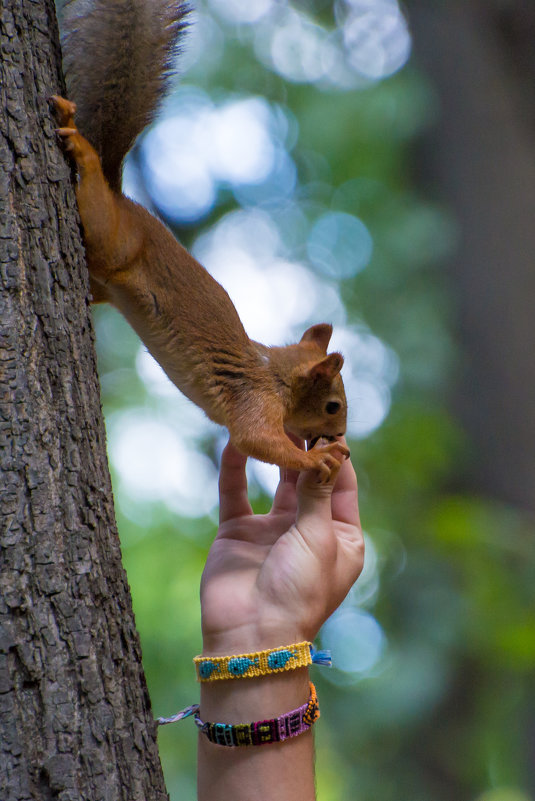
[285, 500]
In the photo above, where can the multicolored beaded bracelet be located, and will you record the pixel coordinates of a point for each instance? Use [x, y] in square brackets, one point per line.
[264, 732]
[260, 663]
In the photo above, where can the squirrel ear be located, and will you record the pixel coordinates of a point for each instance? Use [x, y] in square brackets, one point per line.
[328, 368]
[320, 334]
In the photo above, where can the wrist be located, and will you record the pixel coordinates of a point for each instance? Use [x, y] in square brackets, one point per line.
[254, 698]
[239, 642]
[257, 636]
[236, 700]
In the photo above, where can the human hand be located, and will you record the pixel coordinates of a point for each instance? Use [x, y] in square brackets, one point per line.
[274, 579]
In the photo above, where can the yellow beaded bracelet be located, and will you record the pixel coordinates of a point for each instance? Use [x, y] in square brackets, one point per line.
[260, 663]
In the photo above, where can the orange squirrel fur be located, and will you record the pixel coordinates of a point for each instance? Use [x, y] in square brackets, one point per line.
[190, 326]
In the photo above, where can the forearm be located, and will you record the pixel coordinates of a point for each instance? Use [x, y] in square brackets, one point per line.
[281, 771]
[269, 582]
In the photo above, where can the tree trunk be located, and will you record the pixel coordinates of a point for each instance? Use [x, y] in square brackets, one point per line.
[481, 158]
[75, 716]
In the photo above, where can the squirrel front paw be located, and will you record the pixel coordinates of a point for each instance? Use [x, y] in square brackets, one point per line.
[327, 458]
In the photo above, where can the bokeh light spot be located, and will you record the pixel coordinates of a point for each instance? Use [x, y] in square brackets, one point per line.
[355, 639]
[187, 155]
[240, 12]
[271, 293]
[156, 464]
[339, 245]
[296, 49]
[370, 370]
[376, 37]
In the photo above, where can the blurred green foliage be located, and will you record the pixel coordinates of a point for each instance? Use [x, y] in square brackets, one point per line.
[447, 712]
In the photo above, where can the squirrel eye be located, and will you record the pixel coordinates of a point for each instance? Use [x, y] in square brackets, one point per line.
[332, 407]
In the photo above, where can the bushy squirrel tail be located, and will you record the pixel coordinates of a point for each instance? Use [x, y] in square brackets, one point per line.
[118, 56]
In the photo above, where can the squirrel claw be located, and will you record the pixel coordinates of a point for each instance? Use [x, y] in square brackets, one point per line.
[65, 136]
[63, 109]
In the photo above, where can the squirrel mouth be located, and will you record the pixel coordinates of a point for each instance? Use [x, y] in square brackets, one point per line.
[314, 440]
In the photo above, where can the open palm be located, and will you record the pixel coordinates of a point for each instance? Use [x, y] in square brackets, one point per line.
[282, 574]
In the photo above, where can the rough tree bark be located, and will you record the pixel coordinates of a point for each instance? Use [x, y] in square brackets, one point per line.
[75, 717]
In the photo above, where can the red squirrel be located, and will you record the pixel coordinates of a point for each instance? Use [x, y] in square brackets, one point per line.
[184, 317]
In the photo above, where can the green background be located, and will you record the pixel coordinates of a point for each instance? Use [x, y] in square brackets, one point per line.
[444, 711]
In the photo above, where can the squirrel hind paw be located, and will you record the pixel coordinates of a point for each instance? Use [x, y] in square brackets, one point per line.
[64, 110]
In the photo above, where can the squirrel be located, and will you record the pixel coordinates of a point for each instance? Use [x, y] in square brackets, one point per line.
[184, 317]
